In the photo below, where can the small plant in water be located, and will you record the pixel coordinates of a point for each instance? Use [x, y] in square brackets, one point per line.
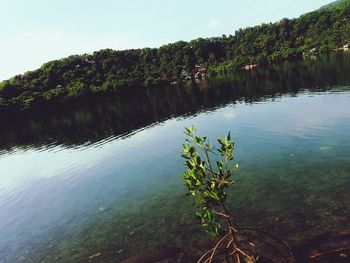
[207, 181]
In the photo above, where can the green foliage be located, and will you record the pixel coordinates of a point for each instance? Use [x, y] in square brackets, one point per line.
[76, 89]
[108, 71]
[206, 183]
[55, 93]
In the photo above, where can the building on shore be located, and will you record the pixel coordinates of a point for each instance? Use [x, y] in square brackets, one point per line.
[200, 72]
[249, 66]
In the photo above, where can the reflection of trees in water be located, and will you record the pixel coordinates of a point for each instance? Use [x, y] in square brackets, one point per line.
[95, 121]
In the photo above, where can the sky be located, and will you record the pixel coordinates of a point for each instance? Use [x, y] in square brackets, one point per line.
[37, 31]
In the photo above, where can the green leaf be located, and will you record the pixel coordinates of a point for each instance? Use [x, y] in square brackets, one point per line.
[198, 140]
[199, 215]
[189, 164]
[198, 160]
[212, 233]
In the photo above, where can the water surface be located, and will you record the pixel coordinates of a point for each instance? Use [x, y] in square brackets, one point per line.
[104, 177]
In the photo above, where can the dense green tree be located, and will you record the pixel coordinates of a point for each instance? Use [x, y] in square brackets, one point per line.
[108, 71]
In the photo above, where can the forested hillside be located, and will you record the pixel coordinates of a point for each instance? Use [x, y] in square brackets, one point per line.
[108, 71]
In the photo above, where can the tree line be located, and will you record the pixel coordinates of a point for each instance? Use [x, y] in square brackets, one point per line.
[109, 71]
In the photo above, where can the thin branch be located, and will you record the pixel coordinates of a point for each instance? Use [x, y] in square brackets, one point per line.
[207, 260]
[203, 256]
[208, 159]
[219, 213]
[229, 243]
[233, 229]
[211, 171]
[243, 253]
[216, 247]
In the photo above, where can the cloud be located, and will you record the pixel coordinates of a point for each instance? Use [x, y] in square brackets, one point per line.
[28, 51]
[214, 23]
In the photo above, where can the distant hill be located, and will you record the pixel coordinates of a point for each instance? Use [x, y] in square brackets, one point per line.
[336, 4]
[108, 71]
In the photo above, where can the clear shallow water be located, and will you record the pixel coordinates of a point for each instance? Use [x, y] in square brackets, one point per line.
[106, 177]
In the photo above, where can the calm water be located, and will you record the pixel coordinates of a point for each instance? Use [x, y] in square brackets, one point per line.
[105, 177]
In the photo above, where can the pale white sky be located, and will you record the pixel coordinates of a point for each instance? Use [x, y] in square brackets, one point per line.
[37, 31]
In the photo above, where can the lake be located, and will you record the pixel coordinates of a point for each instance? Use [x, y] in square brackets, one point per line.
[104, 178]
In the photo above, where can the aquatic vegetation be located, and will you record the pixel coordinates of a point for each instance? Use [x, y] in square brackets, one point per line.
[206, 184]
